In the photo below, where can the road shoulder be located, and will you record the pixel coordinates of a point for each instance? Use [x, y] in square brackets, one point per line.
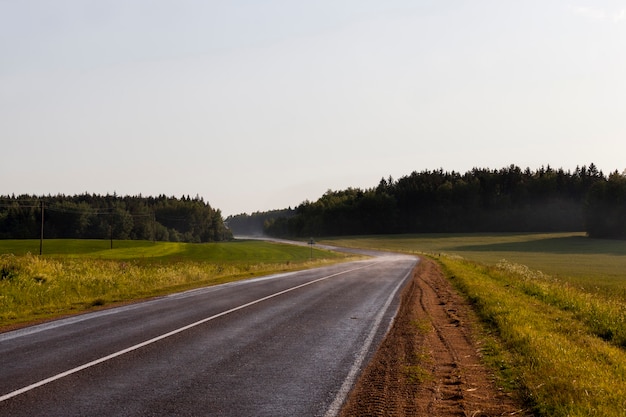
[429, 363]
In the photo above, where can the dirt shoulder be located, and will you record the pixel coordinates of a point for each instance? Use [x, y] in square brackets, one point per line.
[429, 363]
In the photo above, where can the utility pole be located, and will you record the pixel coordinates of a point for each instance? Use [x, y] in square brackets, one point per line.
[41, 234]
[311, 243]
[111, 227]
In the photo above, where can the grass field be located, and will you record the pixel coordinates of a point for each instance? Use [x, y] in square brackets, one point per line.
[75, 275]
[577, 258]
[235, 251]
[554, 310]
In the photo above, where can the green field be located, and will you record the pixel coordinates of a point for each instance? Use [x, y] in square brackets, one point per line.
[76, 275]
[553, 308]
[235, 251]
[574, 256]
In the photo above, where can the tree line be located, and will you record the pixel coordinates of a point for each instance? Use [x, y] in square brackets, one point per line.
[91, 216]
[481, 200]
[256, 223]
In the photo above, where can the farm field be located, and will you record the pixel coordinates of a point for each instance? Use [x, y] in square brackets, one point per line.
[76, 275]
[553, 308]
[573, 256]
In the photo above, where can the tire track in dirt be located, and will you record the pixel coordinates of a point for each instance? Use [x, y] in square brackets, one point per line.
[429, 364]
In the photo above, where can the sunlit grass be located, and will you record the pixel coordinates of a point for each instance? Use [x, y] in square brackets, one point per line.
[235, 251]
[78, 275]
[565, 366]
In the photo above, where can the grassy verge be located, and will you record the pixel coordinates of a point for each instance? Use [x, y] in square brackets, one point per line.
[555, 310]
[565, 344]
[78, 275]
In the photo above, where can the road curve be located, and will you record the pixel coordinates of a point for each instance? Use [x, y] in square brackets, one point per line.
[282, 345]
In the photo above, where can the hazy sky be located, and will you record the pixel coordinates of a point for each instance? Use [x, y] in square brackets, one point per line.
[257, 105]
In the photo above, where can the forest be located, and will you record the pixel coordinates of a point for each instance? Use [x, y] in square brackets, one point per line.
[90, 216]
[481, 200]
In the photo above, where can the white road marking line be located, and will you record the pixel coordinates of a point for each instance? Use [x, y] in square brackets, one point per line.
[97, 314]
[166, 335]
[343, 392]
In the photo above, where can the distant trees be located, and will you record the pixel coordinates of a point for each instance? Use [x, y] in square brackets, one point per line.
[605, 211]
[352, 211]
[94, 216]
[255, 224]
[481, 200]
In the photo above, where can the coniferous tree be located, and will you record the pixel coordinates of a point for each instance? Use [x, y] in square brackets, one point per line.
[110, 216]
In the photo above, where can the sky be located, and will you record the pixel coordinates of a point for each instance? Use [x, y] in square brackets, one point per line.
[261, 105]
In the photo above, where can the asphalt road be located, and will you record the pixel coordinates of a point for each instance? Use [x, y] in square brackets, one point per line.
[282, 345]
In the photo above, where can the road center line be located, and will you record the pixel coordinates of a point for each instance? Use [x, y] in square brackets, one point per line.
[166, 335]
